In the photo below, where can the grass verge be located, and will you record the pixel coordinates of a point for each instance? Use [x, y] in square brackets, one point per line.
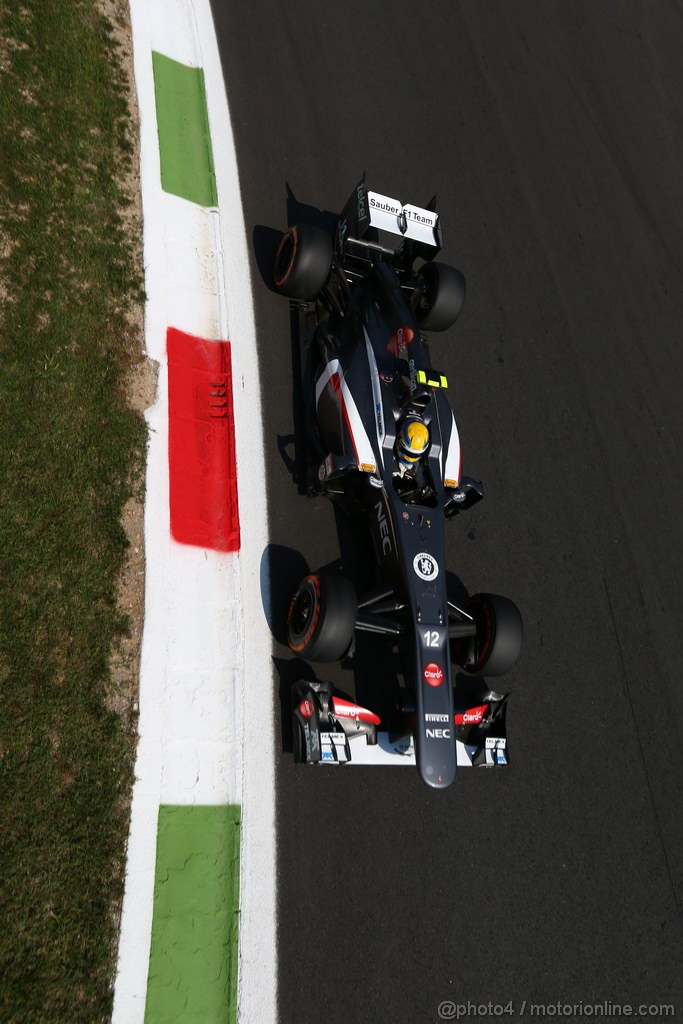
[71, 451]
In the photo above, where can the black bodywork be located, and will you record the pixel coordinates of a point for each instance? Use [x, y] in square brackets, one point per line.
[366, 367]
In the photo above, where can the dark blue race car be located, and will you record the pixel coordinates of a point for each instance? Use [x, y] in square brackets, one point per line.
[383, 444]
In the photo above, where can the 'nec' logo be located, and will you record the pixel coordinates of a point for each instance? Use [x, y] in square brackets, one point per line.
[383, 528]
[438, 734]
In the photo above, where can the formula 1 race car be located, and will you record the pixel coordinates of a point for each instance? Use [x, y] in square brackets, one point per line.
[382, 442]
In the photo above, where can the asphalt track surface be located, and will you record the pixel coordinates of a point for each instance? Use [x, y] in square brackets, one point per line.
[551, 133]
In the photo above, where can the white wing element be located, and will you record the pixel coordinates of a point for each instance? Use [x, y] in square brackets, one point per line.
[394, 753]
[451, 471]
[376, 395]
[410, 221]
[365, 457]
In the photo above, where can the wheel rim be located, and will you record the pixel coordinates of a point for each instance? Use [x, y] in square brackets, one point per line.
[425, 302]
[427, 296]
[302, 612]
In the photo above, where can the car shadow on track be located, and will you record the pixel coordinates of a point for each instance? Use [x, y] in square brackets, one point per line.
[281, 571]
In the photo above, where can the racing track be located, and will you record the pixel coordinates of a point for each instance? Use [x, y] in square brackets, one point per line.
[552, 135]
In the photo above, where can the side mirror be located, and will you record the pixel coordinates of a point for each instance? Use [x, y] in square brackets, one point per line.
[467, 493]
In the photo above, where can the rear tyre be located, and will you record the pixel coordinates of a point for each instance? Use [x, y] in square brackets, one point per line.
[442, 297]
[322, 617]
[498, 643]
[302, 262]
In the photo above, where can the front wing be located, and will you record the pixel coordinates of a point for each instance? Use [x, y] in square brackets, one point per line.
[332, 730]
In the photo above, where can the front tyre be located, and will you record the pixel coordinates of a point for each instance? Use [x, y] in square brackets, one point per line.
[441, 297]
[322, 617]
[302, 262]
[498, 642]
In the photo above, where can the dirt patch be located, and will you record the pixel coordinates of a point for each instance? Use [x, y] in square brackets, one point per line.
[125, 660]
[141, 385]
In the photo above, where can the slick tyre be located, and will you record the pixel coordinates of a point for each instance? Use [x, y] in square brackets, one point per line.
[441, 298]
[322, 617]
[302, 262]
[498, 643]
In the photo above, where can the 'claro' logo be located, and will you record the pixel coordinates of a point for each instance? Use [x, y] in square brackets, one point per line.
[306, 708]
[433, 674]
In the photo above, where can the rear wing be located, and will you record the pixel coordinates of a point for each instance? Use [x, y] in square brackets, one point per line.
[387, 214]
[366, 213]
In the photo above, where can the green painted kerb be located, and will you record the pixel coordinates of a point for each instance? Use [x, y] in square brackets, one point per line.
[184, 141]
[193, 956]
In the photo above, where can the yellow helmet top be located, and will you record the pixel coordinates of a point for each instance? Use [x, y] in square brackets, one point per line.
[413, 441]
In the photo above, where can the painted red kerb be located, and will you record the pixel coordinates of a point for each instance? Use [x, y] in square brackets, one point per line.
[201, 443]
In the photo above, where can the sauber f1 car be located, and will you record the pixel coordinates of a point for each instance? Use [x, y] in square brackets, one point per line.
[382, 443]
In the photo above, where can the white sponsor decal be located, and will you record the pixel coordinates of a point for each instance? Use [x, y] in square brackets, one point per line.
[333, 748]
[436, 718]
[432, 638]
[384, 204]
[383, 527]
[426, 566]
[495, 751]
[412, 221]
[420, 224]
[438, 734]
[348, 711]
[419, 215]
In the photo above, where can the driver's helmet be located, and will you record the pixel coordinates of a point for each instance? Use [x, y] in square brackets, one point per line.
[412, 441]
